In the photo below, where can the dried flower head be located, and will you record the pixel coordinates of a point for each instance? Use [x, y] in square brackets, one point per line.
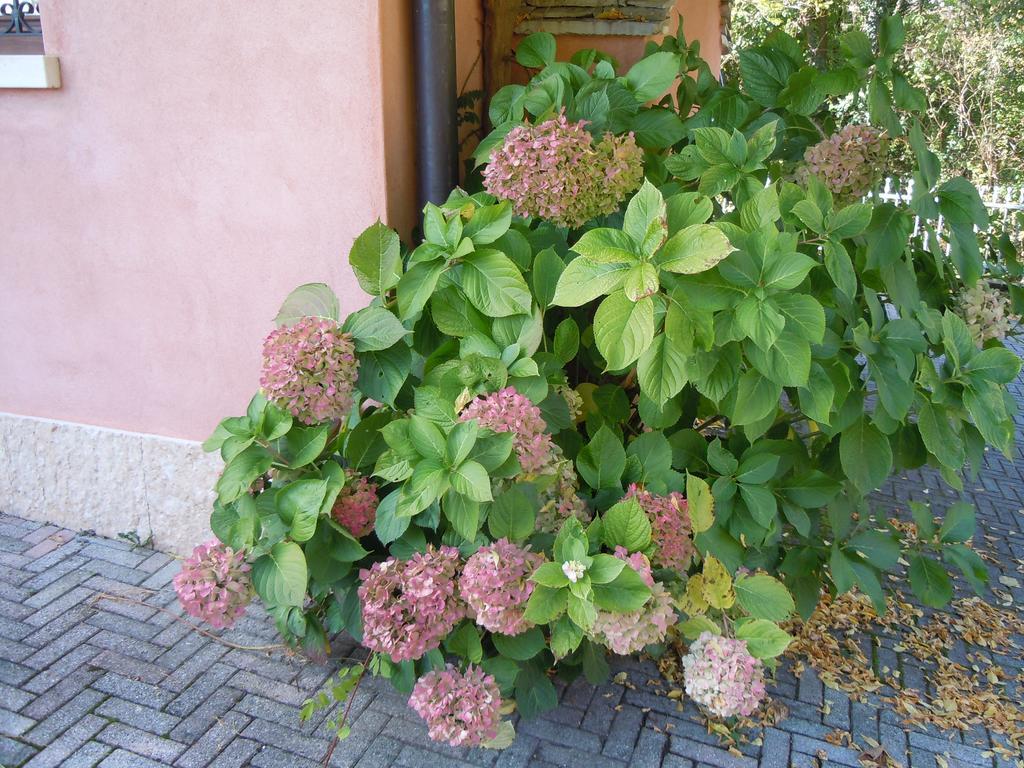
[509, 411]
[495, 583]
[670, 527]
[555, 171]
[986, 310]
[848, 162]
[214, 584]
[631, 632]
[356, 505]
[722, 676]
[310, 370]
[460, 708]
[409, 606]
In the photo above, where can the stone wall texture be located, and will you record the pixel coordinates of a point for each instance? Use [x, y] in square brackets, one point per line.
[108, 481]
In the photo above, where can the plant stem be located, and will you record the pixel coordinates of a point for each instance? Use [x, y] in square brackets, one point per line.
[344, 716]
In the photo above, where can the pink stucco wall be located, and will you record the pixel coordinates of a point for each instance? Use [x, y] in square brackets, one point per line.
[194, 167]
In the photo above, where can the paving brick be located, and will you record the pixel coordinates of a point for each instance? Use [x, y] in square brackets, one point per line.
[67, 642]
[13, 724]
[271, 689]
[623, 734]
[64, 746]
[704, 753]
[74, 659]
[59, 721]
[210, 744]
[775, 749]
[14, 752]
[87, 756]
[133, 690]
[60, 694]
[266, 732]
[187, 701]
[650, 749]
[122, 758]
[137, 715]
[140, 742]
[207, 714]
[382, 753]
[13, 673]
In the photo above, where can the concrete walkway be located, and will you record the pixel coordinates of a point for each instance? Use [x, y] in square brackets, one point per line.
[90, 681]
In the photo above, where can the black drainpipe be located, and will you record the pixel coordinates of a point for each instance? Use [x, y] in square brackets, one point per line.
[437, 138]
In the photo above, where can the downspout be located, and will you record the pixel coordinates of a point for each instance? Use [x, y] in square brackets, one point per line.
[437, 138]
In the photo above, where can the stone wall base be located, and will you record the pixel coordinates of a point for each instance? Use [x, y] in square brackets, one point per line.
[112, 482]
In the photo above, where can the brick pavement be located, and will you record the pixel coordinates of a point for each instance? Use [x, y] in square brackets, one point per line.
[87, 682]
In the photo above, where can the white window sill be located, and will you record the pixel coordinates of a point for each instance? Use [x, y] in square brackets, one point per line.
[29, 71]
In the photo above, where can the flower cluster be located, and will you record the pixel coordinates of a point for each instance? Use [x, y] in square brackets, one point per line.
[356, 505]
[461, 708]
[559, 500]
[722, 676]
[670, 527]
[310, 369]
[410, 606]
[509, 411]
[986, 310]
[849, 162]
[572, 399]
[631, 632]
[555, 171]
[495, 584]
[214, 584]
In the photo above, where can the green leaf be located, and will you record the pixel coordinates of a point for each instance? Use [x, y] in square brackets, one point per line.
[970, 564]
[389, 526]
[374, 328]
[309, 300]
[471, 480]
[923, 518]
[840, 268]
[958, 523]
[759, 320]
[465, 642]
[765, 72]
[764, 639]
[849, 221]
[536, 51]
[929, 581]
[642, 280]
[939, 436]
[463, 513]
[995, 364]
[298, 504]
[804, 315]
[700, 503]
[662, 370]
[416, 286]
[880, 549]
[567, 340]
[534, 692]
[583, 281]
[461, 440]
[382, 374]
[489, 222]
[494, 284]
[626, 592]
[764, 597]
[240, 473]
[545, 604]
[960, 203]
[694, 249]
[866, 455]
[623, 330]
[512, 515]
[521, 647]
[653, 75]
[608, 246]
[602, 462]
[280, 575]
[605, 568]
[756, 398]
[626, 525]
[426, 438]
[645, 222]
[547, 269]
[376, 259]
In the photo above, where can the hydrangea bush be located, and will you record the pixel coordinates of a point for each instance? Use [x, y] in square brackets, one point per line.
[636, 392]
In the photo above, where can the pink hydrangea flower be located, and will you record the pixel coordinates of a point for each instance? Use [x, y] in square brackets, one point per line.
[409, 606]
[848, 163]
[461, 708]
[631, 632]
[555, 171]
[214, 584]
[723, 677]
[670, 527]
[509, 411]
[986, 310]
[495, 584]
[310, 370]
[356, 505]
